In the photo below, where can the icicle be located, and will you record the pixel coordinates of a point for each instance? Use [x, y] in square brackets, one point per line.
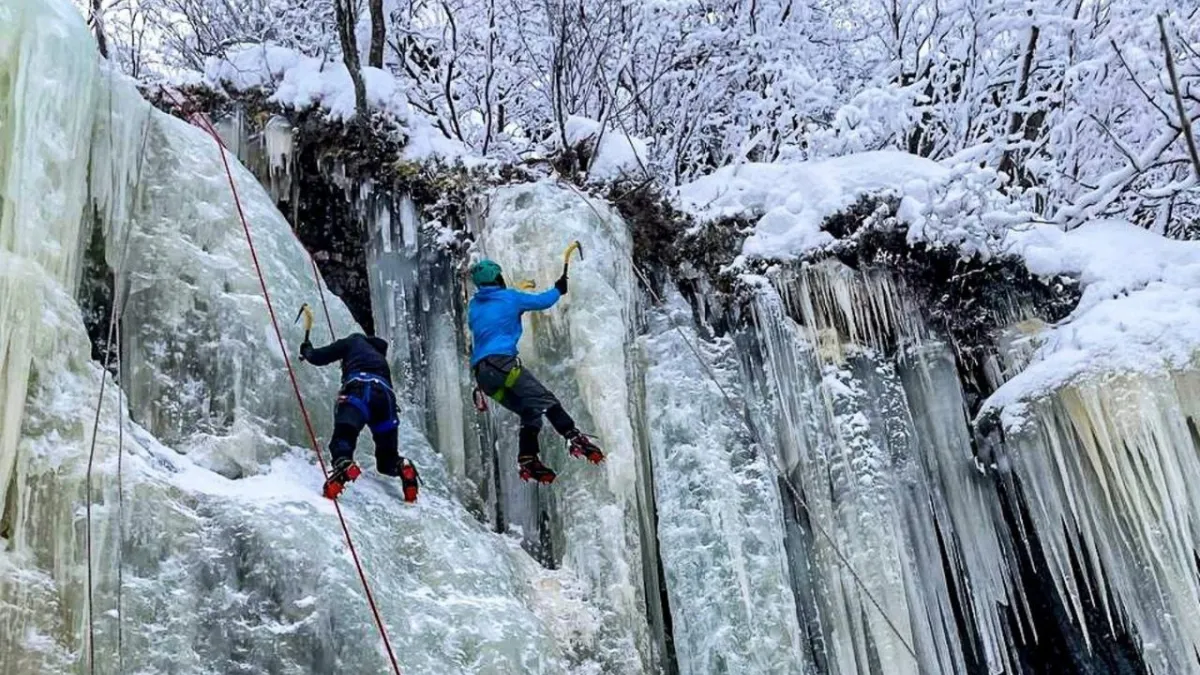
[1111, 472]
[278, 144]
[838, 304]
[881, 453]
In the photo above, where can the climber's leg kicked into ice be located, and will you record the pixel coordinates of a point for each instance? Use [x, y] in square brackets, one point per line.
[389, 463]
[525, 395]
[362, 404]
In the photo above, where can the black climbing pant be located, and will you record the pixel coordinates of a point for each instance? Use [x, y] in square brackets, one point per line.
[362, 403]
[523, 394]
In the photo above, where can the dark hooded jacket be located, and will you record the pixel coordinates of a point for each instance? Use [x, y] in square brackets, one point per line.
[358, 354]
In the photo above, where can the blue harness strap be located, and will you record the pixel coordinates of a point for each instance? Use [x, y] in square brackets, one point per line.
[361, 403]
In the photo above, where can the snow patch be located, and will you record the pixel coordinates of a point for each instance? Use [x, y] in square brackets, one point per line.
[619, 153]
[1139, 313]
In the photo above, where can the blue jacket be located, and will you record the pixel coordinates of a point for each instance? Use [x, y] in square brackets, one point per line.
[495, 318]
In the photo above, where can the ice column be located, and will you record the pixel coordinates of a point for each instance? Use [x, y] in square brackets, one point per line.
[720, 520]
[580, 350]
[46, 114]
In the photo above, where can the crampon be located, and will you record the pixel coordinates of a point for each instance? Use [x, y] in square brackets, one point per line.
[342, 473]
[532, 469]
[581, 446]
[408, 480]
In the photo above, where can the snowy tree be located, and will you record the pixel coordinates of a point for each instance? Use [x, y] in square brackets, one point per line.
[1068, 101]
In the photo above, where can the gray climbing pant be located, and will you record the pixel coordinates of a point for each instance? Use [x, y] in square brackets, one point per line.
[512, 385]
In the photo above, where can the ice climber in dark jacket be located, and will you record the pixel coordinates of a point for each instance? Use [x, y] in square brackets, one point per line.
[495, 321]
[365, 399]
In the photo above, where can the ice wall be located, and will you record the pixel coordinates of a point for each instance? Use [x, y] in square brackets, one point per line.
[225, 557]
[865, 417]
[1111, 473]
[720, 519]
[580, 349]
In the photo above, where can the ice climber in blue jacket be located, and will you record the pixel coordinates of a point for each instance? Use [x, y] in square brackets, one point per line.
[495, 320]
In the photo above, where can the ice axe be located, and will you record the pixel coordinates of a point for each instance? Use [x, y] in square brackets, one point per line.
[575, 246]
[307, 313]
[530, 284]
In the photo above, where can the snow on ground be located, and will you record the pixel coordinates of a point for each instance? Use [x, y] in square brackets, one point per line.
[619, 153]
[301, 82]
[793, 200]
[1140, 310]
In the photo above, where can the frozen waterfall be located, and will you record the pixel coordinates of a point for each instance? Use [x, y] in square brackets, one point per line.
[799, 492]
[230, 559]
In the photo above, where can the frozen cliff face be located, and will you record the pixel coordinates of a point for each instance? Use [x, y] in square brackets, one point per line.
[1110, 471]
[720, 519]
[801, 495]
[241, 570]
[1093, 493]
[593, 516]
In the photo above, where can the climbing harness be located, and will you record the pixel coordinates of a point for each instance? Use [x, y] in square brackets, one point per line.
[510, 380]
[744, 415]
[312, 434]
[363, 404]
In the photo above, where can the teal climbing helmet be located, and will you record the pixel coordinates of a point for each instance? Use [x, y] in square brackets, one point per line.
[485, 272]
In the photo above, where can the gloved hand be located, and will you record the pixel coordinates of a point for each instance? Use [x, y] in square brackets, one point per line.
[305, 349]
[561, 284]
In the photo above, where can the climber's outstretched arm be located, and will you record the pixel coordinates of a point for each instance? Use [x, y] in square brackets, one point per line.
[529, 302]
[322, 356]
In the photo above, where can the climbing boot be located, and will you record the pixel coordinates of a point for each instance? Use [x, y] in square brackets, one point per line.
[531, 468]
[344, 471]
[409, 480]
[581, 445]
[406, 471]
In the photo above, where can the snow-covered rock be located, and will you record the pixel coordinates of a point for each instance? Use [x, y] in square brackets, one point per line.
[1139, 313]
[298, 81]
[792, 200]
[619, 153]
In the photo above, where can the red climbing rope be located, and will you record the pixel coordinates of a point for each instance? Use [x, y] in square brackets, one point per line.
[312, 435]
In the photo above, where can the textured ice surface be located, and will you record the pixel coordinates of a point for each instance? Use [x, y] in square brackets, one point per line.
[243, 572]
[720, 521]
[579, 349]
[231, 563]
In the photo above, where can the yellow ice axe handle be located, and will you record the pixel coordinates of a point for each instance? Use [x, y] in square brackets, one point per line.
[307, 313]
[575, 246]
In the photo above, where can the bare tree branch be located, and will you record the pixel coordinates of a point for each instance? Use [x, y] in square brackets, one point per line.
[1184, 121]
